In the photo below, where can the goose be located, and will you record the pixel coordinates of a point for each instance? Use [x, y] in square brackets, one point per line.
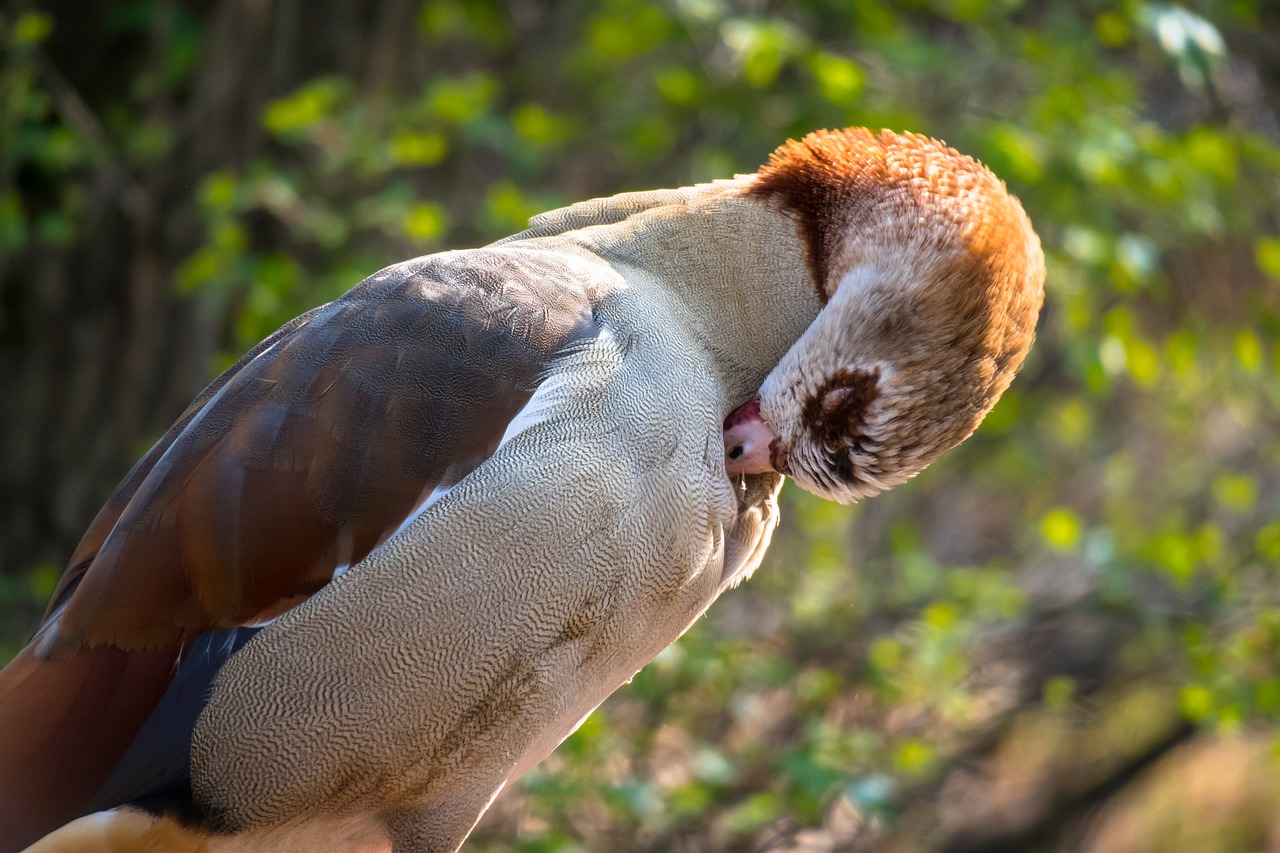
[395, 554]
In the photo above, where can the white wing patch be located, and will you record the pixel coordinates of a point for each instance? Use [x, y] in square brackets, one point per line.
[552, 392]
[535, 411]
[436, 494]
[538, 410]
[547, 399]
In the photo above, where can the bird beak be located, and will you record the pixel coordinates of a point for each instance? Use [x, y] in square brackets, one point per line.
[750, 444]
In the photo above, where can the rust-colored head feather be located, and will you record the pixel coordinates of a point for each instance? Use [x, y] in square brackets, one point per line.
[840, 183]
[931, 279]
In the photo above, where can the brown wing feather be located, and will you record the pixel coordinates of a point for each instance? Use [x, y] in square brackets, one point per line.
[63, 724]
[315, 449]
[106, 519]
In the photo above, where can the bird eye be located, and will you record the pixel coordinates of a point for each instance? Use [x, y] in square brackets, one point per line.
[842, 467]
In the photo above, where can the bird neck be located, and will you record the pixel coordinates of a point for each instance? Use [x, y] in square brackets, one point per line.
[729, 268]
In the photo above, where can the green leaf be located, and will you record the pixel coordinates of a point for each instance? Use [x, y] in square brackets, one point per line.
[1238, 492]
[761, 46]
[753, 813]
[1112, 29]
[32, 28]
[201, 267]
[13, 224]
[425, 221]
[637, 28]
[459, 100]
[218, 193]
[42, 581]
[539, 127]
[1248, 350]
[417, 149]
[885, 654]
[315, 101]
[1059, 691]
[1266, 252]
[508, 208]
[678, 85]
[1212, 152]
[839, 79]
[1020, 154]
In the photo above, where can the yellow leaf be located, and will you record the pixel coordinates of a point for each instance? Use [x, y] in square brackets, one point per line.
[1061, 529]
[1196, 702]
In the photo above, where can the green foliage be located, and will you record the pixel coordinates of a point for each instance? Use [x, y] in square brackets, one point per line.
[1130, 472]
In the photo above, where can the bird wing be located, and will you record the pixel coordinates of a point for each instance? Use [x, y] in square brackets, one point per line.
[317, 447]
[313, 449]
[466, 648]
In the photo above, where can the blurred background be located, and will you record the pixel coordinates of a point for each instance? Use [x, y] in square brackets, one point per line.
[1064, 636]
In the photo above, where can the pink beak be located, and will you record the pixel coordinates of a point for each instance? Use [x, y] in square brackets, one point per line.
[750, 443]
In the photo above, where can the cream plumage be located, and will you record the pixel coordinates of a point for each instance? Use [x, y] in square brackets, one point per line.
[510, 462]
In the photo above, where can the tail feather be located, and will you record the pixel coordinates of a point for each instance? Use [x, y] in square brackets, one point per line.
[122, 831]
[131, 831]
[64, 724]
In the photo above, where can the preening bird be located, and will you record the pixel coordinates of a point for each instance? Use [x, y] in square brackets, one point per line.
[386, 562]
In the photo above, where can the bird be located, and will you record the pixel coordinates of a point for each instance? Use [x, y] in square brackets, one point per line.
[385, 563]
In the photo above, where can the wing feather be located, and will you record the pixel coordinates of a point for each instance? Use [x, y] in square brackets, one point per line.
[316, 447]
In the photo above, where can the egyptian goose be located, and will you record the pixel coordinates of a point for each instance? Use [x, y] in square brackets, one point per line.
[384, 564]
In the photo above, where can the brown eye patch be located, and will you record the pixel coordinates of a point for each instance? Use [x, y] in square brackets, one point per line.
[837, 412]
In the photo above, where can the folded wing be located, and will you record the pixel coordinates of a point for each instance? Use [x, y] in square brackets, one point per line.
[315, 449]
[292, 466]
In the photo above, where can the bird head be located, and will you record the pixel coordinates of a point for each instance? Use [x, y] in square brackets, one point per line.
[931, 279]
